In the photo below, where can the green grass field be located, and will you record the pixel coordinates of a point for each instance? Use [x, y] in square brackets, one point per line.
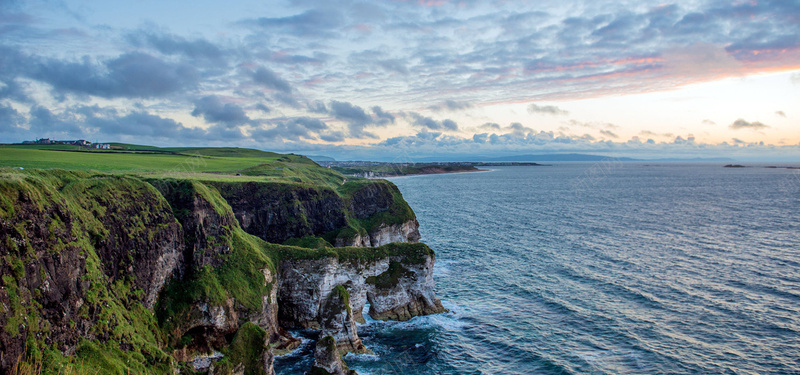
[205, 163]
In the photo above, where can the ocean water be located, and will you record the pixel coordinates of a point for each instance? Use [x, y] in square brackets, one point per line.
[605, 268]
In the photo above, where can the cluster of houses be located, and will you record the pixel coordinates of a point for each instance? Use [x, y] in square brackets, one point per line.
[80, 142]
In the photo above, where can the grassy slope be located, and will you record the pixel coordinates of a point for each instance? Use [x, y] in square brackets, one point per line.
[205, 164]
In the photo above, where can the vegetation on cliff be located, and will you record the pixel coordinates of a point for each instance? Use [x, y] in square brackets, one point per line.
[107, 268]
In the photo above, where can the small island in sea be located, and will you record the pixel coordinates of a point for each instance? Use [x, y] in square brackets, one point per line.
[138, 259]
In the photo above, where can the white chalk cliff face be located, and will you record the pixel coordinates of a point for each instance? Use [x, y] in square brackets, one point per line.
[407, 232]
[395, 288]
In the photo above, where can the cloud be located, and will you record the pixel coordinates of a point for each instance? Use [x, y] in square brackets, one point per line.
[355, 117]
[709, 122]
[286, 98]
[213, 110]
[269, 79]
[450, 105]
[394, 65]
[608, 133]
[317, 106]
[333, 136]
[648, 133]
[383, 118]
[350, 113]
[141, 123]
[780, 113]
[547, 110]
[263, 108]
[129, 75]
[742, 124]
[42, 121]
[169, 44]
[292, 129]
[312, 23]
[10, 120]
[428, 123]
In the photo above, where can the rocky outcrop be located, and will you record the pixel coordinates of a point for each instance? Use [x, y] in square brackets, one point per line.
[276, 212]
[397, 282]
[384, 234]
[210, 228]
[403, 291]
[336, 320]
[328, 360]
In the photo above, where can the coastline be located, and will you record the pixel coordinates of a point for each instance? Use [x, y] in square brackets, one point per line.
[429, 174]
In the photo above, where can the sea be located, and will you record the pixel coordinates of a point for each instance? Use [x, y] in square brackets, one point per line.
[599, 268]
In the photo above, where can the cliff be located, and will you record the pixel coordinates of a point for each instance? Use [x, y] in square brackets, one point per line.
[117, 274]
[356, 213]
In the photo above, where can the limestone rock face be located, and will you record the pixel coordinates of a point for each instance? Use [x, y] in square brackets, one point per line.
[385, 234]
[327, 359]
[407, 232]
[409, 296]
[336, 320]
[404, 291]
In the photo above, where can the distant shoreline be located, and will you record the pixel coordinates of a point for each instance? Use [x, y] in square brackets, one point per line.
[431, 174]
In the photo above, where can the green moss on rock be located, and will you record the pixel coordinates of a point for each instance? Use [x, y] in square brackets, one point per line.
[391, 276]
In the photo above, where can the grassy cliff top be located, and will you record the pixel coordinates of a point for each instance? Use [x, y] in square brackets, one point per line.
[200, 163]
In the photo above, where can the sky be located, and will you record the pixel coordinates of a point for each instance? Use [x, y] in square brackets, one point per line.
[399, 80]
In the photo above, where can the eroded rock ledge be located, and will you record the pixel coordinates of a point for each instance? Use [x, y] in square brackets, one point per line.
[175, 273]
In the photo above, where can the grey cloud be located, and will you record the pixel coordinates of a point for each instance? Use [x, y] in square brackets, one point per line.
[309, 123]
[290, 129]
[333, 136]
[169, 44]
[317, 23]
[213, 110]
[648, 133]
[622, 28]
[317, 106]
[10, 120]
[43, 121]
[287, 99]
[431, 124]
[491, 125]
[742, 124]
[283, 58]
[709, 122]
[350, 113]
[394, 65]
[12, 64]
[129, 75]
[355, 117]
[140, 123]
[780, 113]
[451, 105]
[269, 79]
[547, 109]
[519, 129]
[263, 107]
[609, 133]
[383, 117]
